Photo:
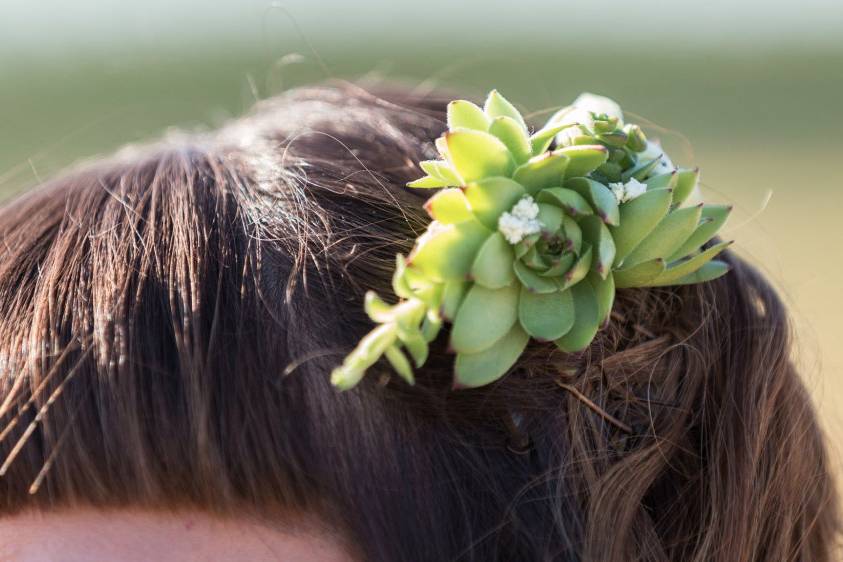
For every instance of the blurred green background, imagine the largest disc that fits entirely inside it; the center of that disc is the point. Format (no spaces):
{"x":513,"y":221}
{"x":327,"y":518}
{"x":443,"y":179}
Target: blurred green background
{"x":755,"y":87}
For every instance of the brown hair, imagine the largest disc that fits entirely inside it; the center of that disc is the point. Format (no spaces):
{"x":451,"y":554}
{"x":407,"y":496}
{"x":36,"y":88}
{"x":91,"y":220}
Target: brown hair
{"x":169,"y":317}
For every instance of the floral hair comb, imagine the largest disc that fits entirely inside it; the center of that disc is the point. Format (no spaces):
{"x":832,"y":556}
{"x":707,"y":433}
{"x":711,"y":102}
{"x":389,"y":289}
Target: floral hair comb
{"x":528,"y":242}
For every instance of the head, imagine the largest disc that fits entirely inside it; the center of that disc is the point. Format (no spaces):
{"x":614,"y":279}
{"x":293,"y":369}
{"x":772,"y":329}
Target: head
{"x":169,"y":318}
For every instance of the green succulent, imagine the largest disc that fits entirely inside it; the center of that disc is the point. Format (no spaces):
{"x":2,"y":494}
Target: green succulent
{"x":532,"y":242}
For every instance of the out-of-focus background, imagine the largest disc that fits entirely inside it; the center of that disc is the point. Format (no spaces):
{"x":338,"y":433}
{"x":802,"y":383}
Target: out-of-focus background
{"x":755,"y":86}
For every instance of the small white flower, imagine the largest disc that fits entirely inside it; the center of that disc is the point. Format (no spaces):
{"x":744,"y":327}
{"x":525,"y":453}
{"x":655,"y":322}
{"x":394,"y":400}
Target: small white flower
{"x":522,"y":220}
{"x":628,"y":191}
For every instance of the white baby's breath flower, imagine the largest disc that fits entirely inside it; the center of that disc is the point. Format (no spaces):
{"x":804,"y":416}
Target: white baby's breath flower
{"x":522,"y":220}
{"x":628,"y":191}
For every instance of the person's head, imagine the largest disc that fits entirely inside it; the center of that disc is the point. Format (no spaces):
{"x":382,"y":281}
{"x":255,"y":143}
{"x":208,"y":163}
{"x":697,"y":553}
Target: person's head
{"x":169,"y":319}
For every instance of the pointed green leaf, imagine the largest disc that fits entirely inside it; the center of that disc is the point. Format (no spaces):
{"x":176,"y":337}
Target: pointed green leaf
{"x":446,"y":252}
{"x":514,"y":136}
{"x":551,"y":217}
{"x":604,"y":291}
{"x":478,"y":369}
{"x":533,"y":281}
{"x":429,"y":182}
{"x":686,"y":182}
{"x":561,"y":267}
{"x":498,"y":106}
{"x":453,"y":293}
{"x":638,"y":218}
{"x":368,"y":351}
{"x":573,"y":233}
{"x":667,"y":237}
{"x":684,"y":268}
{"x":599,"y":196}
{"x":713,"y":218}
{"x":586,"y":319}
{"x":668,"y":180}
{"x":493,"y":266}
{"x":638,"y":275}
{"x":399,"y":279}
{"x":596,"y":233}
{"x":476,"y":155}
{"x":442,"y":170}
{"x":540,"y":140}
{"x":485,"y":316}
{"x":569,"y":200}
{"x":377,"y":309}
{"x":642,"y":170}
{"x":400,"y":363}
{"x":579,"y":270}
{"x":708,"y":272}
{"x":491,"y":197}
{"x":546,"y":316}
{"x":431,"y":326}
{"x":545,"y":170}
{"x":416,"y":345}
{"x":584,"y":159}
{"x":448,"y":206}
{"x":463,"y":114}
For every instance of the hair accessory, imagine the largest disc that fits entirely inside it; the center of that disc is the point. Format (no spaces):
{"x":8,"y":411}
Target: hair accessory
{"x":528,"y":242}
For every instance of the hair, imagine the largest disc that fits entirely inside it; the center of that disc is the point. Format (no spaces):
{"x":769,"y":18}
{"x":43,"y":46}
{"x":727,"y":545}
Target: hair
{"x":169,"y":318}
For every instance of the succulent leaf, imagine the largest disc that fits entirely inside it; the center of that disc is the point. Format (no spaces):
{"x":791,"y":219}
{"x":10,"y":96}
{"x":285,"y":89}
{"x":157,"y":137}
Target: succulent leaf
{"x":687,"y":267}
{"x":569,"y":200}
{"x":431,"y":326}
{"x":493,"y":266}
{"x":599,"y":197}
{"x":514,"y":136}
{"x":638,"y":218}
{"x":551,"y":217}
{"x":667,"y":237}
{"x":446,"y":252}
{"x":586,"y":319}
{"x":400,"y":363}
{"x":377,"y":309}
{"x":367,"y":352}
{"x":604,"y":291}
{"x":639,"y":275}
{"x":453,"y":293}
{"x":441,"y":170}
{"x":491,"y":197}
{"x":546,"y":316}
{"x":668,"y":180}
{"x":713,"y":218}
{"x":449,"y":206}
{"x":476,"y":155}
{"x":584,"y":159}
{"x":485,"y":316}
{"x":429,"y":182}
{"x":540,"y":172}
{"x":579,"y":270}
{"x":463,"y":114}
{"x":597,"y":234}
{"x":540,"y":140}
{"x":498,"y":106}
{"x":708,"y":272}
{"x":685,"y":185}
{"x":479,"y":369}
{"x":533,"y":281}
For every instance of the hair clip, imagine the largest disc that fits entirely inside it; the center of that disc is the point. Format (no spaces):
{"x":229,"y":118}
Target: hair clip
{"x":529,"y":242}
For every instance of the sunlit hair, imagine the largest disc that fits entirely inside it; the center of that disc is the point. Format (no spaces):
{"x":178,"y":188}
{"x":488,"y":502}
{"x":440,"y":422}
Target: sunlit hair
{"x":168,"y":320}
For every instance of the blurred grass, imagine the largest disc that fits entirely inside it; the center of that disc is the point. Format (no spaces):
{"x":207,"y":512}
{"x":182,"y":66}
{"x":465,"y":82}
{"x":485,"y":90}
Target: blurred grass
{"x":762,"y":127}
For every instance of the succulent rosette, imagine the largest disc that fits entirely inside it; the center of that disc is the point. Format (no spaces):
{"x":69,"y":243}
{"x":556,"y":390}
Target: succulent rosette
{"x":532,"y":233}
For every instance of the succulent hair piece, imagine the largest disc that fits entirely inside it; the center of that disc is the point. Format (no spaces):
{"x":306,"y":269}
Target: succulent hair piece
{"x":528,"y":242}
